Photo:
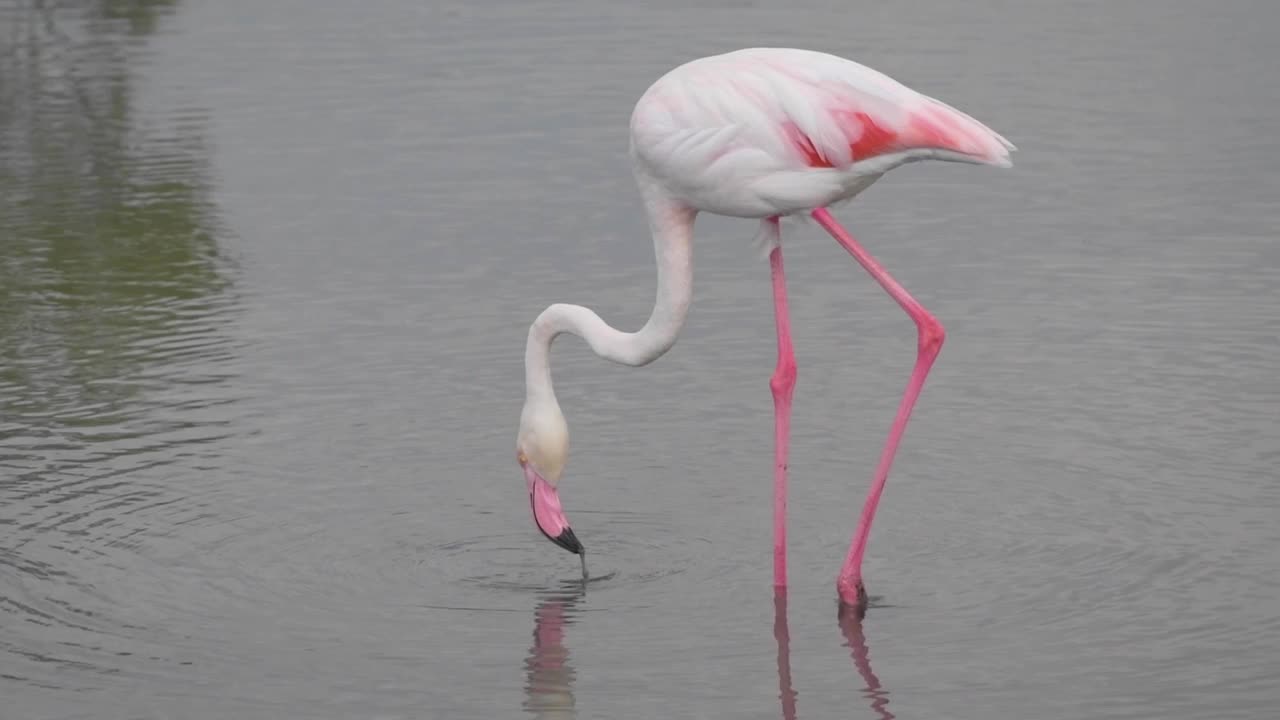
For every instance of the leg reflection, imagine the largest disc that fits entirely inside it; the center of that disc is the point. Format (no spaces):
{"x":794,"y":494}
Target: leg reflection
{"x":549,"y":687}
{"x":855,"y":640}
{"x":786,"y":693}
{"x":851,"y":628}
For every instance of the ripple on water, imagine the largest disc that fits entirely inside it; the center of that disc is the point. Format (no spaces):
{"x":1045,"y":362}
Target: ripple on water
{"x":629,"y":554}
{"x":309,"y":569}
{"x":494,"y":571}
{"x":115,"y":297}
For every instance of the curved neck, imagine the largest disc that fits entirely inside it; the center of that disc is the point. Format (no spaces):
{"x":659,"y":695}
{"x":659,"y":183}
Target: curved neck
{"x":672,"y":227}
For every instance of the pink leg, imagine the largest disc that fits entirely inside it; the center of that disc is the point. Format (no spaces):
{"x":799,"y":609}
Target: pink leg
{"x":782,"y":384}
{"x":931,"y":334}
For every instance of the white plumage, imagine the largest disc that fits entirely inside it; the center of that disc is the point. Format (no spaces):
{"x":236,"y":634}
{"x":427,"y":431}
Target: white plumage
{"x":775,"y":131}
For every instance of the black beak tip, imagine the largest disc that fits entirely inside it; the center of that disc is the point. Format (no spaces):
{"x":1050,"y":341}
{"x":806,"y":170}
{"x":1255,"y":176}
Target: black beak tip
{"x":568,"y":541}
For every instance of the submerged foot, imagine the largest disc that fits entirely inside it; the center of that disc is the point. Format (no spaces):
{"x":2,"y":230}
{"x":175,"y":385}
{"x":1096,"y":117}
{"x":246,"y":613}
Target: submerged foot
{"x":853,"y":599}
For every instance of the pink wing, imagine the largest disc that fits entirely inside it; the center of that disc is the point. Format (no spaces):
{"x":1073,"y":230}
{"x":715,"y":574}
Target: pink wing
{"x":839,"y":113}
{"x":765,"y":114}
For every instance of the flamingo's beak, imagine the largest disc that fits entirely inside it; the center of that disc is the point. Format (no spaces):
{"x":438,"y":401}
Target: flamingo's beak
{"x":547,"y":513}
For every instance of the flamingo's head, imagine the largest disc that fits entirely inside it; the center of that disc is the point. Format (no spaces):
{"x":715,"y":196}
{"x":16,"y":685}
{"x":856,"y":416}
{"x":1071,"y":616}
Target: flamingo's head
{"x":542,"y":448}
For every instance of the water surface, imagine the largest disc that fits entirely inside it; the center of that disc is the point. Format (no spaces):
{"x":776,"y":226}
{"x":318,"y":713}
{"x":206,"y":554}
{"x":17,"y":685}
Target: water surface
{"x":266,"y":271}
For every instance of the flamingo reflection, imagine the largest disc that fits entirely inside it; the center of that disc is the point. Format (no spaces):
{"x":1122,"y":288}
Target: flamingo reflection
{"x":855,"y":640}
{"x":549,"y":688}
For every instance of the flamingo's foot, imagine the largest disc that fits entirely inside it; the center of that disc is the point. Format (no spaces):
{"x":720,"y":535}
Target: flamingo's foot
{"x":853,"y":599}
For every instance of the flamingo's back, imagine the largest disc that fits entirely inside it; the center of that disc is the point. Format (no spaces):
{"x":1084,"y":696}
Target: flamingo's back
{"x":767,"y":131}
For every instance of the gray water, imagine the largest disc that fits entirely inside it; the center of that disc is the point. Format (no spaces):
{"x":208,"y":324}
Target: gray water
{"x":266,"y":270}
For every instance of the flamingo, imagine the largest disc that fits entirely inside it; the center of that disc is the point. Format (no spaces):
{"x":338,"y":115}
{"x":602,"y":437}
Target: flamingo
{"x":758,"y":133}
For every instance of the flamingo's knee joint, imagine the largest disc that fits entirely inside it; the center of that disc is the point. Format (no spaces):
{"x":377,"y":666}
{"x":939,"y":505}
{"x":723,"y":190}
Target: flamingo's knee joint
{"x":784,"y":378}
{"x":932,"y":335}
